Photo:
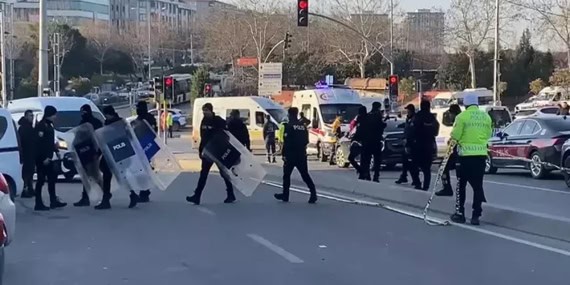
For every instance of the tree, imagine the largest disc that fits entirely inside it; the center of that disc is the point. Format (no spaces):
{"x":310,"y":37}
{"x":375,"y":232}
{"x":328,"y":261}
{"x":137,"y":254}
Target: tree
{"x":135,"y":44}
{"x":470,"y":26}
{"x":225,"y":37}
{"x":99,"y":40}
{"x":561,"y":78}
{"x":536,"y":85}
{"x":199,"y":79}
{"x":407,"y":87}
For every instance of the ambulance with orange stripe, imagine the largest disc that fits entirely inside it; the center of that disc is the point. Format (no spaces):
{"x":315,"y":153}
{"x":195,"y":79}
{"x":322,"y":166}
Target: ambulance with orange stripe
{"x":321,"y":106}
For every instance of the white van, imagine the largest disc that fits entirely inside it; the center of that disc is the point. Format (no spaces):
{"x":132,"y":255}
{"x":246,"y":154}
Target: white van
{"x":252,"y":111}
{"x":322,"y":106}
{"x":548,"y":96}
{"x":10,"y":153}
{"x":68,"y":117}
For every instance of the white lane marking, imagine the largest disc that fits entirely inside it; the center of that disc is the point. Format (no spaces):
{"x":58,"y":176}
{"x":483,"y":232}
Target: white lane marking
{"x":521,"y":186}
{"x":463,"y":226}
{"x":206,"y":211}
{"x":275,"y":248}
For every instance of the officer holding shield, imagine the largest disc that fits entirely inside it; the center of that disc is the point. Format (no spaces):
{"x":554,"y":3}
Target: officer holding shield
{"x":211,"y":126}
{"x":87,"y":118}
{"x":296,"y":138}
{"x":143,"y":114}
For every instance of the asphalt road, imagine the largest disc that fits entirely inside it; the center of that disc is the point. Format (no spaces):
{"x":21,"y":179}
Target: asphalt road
{"x":259,"y":241}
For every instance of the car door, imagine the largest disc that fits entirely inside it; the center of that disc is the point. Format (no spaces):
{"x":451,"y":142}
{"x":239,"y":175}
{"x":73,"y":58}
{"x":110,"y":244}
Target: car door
{"x":520,"y":145}
{"x":502,"y":147}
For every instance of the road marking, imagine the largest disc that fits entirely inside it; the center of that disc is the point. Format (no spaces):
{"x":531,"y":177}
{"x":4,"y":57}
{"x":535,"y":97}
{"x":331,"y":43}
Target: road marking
{"x":527,"y":187}
{"x":437,"y":220}
{"x":206,"y":211}
{"x":275,"y":248}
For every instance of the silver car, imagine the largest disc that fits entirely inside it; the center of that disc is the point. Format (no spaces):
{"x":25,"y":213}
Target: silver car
{"x":7,"y":221}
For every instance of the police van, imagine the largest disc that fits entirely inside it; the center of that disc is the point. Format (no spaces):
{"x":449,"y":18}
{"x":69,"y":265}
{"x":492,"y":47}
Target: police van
{"x":10,"y":153}
{"x":68,"y":117}
{"x":252,"y":110}
{"x":321,"y":106}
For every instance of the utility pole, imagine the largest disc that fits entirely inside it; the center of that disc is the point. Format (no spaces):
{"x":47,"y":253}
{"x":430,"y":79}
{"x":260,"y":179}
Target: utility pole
{"x":392,"y":35}
{"x":149,"y":38}
{"x":56,"y":48}
{"x":496,"y":59}
{"x":3,"y":51}
{"x":12,"y":47}
{"x":43,"y":50}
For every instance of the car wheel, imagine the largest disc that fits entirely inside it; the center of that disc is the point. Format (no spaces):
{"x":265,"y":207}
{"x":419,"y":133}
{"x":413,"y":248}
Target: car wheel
{"x":489,"y":168}
{"x":537,"y":169}
{"x":322,"y":155}
{"x":341,"y":160}
{"x":175,"y":126}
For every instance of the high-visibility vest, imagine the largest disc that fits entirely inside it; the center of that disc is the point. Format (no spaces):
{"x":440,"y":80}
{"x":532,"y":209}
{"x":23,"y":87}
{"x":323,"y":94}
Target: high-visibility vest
{"x":472,"y":130}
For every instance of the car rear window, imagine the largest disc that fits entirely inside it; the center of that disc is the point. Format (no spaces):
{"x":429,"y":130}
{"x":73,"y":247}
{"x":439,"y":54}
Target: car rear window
{"x":526,"y":112}
{"x":559,"y":124}
{"x":500,"y":118}
{"x":394,"y":126}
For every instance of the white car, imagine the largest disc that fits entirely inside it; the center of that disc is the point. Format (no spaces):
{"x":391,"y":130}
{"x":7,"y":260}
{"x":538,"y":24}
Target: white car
{"x":550,"y":110}
{"x":10,"y":153}
{"x":7,"y":220}
{"x":179,"y":118}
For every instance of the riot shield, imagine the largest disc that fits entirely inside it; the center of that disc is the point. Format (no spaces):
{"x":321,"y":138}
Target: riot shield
{"x":125,"y":157}
{"x":235,"y":162}
{"x":86,"y":158}
{"x":163,"y":162}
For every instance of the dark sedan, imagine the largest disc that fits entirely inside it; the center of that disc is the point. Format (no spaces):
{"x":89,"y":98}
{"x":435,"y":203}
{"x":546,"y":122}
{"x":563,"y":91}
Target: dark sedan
{"x":529,"y":142}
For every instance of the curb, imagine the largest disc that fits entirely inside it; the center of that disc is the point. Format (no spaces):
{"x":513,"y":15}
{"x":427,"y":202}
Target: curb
{"x":498,"y":215}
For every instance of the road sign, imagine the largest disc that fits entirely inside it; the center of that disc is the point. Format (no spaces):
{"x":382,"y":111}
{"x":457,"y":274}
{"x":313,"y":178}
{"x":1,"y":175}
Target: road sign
{"x":247,"y":61}
{"x":270,"y":78}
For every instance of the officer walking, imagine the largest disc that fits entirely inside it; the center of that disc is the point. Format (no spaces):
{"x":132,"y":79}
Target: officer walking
{"x":407,"y":164}
{"x":372,"y":142}
{"x":238,"y":129}
{"x":111,"y":117}
{"x":425,"y":129}
{"x":143,"y":114}
{"x":296,"y":138}
{"x":87,"y":118}
{"x":211,"y":126}
{"x":472,"y":130}
{"x":358,"y":134}
{"x":46,"y":149}
{"x":269,"y":130}
{"x":27,"y":152}
{"x":447,"y":190}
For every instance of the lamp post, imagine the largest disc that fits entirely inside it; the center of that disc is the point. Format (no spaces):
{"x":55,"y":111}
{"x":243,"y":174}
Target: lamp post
{"x":3,"y":51}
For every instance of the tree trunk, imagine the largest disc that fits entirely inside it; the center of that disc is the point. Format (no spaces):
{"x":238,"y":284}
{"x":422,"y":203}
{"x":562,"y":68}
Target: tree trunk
{"x":362,"y":67}
{"x":472,"y":70}
{"x":101,"y":66}
{"x":568,"y":55}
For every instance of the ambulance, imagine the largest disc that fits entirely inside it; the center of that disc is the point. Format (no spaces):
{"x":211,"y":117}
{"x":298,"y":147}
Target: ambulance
{"x":549,"y":96}
{"x":252,"y":110}
{"x":321,"y":106}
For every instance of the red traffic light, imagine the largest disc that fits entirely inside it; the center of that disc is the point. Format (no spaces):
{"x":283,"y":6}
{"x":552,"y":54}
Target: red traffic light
{"x":208,"y":87}
{"x":393,"y":79}
{"x":168,"y":81}
{"x":303,"y":4}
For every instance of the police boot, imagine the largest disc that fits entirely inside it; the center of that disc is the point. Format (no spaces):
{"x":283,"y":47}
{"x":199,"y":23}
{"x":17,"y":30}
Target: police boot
{"x":475,"y":221}
{"x":105,"y":203}
{"x":144,"y":196}
{"x":445,"y":192}
{"x":84,"y":202}
{"x":56,"y":203}
{"x":268,"y":159}
{"x":282,"y":197}
{"x":193,"y":199}
{"x":134,"y":199}
{"x":313,"y":199}
{"x":402,"y":180}
{"x":274,"y":161}
{"x":458,"y":218}
{"x":40,"y":203}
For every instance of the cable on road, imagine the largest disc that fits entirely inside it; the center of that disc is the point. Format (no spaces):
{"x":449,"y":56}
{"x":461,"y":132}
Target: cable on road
{"x":440,"y":171}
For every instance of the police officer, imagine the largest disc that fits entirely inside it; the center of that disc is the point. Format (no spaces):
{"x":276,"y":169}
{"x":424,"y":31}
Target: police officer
{"x":46,"y":149}
{"x":211,"y":125}
{"x":238,"y":129}
{"x":27,"y":152}
{"x":372,"y":142}
{"x":296,"y":138}
{"x":143,"y":114}
{"x":269,"y":130}
{"x":449,"y":119}
{"x":304,"y":119}
{"x":472,"y":130}
{"x":111,"y":117}
{"x":358,"y":134}
{"x":407,"y":164}
{"x":425,"y":129}
{"x":87,"y":118}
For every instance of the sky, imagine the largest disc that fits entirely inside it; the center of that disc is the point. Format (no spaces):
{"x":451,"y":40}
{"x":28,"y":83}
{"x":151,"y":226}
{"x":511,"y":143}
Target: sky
{"x":411,"y":5}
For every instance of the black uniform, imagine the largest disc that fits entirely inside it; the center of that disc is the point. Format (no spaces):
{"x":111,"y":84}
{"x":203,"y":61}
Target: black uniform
{"x":296,"y":138}
{"x":407,"y":163}
{"x":28,"y":146}
{"x":372,"y":144}
{"x":239,"y":130}
{"x":269,"y":130}
{"x":87,"y":118}
{"x":45,"y":166}
{"x":425,"y":128}
{"x":208,"y":129}
{"x":143,"y":114}
{"x":356,"y":143}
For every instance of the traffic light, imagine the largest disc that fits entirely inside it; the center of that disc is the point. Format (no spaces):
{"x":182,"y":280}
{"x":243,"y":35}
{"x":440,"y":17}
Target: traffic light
{"x":302,"y":13}
{"x":157,"y":85}
{"x":168,"y":87}
{"x":207,"y":90}
{"x":393,"y":87}
{"x":288,"y":39}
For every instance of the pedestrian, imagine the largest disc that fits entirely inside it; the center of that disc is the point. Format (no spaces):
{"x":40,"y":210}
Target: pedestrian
{"x":143,"y":114}
{"x":111,"y":117}
{"x":269,"y":130}
{"x":27,"y":152}
{"x":336,"y":135}
{"x":372,"y":142}
{"x":453,"y":112}
{"x":45,"y":150}
{"x":169,"y":122}
{"x":304,"y":119}
{"x":280,"y":133}
{"x":238,"y":129}
{"x":87,"y":118}
{"x":425,"y":129}
{"x":407,"y":164}
{"x":472,"y":130}
{"x":211,"y":126}
{"x":563,"y":109}
{"x":295,"y":156}
{"x":357,"y":135}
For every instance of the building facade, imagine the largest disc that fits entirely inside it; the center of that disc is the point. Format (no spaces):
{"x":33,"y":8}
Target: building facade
{"x":175,"y":15}
{"x":71,"y":12}
{"x":424,"y":32}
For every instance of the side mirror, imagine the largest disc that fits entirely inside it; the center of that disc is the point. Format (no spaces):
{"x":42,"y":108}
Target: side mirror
{"x":502,"y":135}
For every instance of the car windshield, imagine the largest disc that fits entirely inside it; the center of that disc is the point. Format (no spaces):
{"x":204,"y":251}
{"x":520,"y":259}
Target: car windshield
{"x":440,"y":103}
{"x":67,"y":120}
{"x":394,"y":126}
{"x":500,"y":118}
{"x":347,"y":111}
{"x":277,"y":114}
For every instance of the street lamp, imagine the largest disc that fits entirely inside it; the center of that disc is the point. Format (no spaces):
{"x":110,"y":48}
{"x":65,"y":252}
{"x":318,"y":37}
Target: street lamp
{"x":3,"y":51}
